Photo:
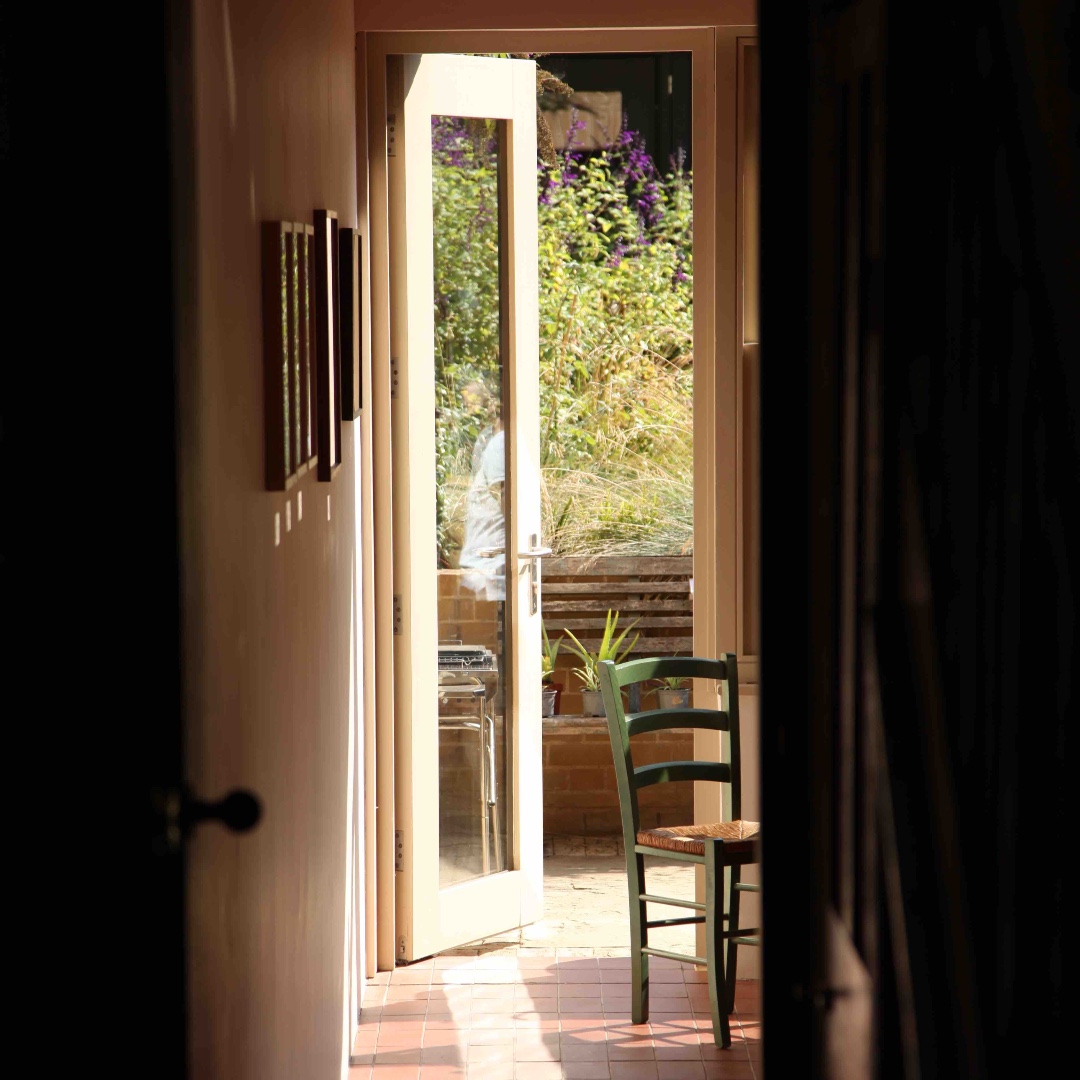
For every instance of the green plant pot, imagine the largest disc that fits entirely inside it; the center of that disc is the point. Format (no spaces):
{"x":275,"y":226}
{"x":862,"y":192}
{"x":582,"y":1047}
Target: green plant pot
{"x":592,"y":702}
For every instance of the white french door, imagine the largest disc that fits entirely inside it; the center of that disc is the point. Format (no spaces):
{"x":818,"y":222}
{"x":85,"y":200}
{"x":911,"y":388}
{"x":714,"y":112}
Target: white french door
{"x":461,"y":171}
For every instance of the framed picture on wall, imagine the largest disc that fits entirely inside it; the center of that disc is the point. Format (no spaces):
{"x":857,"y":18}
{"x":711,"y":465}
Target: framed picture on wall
{"x":327,"y":339}
{"x":349,"y":269}
{"x":280,"y":339}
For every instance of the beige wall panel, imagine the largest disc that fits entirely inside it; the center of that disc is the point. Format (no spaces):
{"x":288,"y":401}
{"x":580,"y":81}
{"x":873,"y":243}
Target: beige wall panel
{"x":749,"y":370}
{"x":565,"y":14}
{"x":749,"y":511}
{"x":749,"y":172}
{"x":378,"y":411}
{"x":364,"y":435}
{"x":269,"y":628}
{"x":750,"y":910}
{"x":719,"y":580}
{"x":749,"y":474}
{"x":716,"y":580}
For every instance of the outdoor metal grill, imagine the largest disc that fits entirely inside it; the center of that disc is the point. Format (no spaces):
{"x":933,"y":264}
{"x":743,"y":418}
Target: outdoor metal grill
{"x":468,"y":681}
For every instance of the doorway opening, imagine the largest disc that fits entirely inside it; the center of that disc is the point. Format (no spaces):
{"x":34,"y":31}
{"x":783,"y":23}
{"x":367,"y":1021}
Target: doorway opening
{"x":500,"y":840}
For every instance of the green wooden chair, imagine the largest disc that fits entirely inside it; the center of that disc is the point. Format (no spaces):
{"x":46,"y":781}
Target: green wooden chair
{"x":723,"y":846}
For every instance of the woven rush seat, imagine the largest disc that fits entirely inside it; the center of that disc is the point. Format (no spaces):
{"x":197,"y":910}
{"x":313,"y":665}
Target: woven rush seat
{"x":738,"y":837}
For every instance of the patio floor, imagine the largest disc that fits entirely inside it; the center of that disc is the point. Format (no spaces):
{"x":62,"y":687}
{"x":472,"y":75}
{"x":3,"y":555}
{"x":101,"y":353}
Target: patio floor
{"x":553,"y":1000}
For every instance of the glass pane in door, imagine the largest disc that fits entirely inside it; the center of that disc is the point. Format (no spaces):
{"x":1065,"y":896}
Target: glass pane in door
{"x":468,"y":180}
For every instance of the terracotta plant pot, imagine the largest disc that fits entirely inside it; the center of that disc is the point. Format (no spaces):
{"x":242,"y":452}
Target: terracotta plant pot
{"x":592,"y":703}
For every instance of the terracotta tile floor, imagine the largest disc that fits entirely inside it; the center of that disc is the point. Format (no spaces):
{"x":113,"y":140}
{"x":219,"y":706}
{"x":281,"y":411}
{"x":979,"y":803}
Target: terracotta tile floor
{"x":552,"y":1000}
{"x":509,"y":1016}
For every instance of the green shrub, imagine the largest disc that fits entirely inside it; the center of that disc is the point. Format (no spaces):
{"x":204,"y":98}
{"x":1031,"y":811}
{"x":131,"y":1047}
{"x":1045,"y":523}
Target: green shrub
{"x":616,"y":331}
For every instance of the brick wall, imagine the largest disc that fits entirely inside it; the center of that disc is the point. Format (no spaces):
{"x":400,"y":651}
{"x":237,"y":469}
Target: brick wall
{"x":464,"y":617}
{"x":580,"y":797}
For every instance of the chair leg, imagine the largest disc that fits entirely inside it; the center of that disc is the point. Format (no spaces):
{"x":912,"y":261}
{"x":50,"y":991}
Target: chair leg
{"x":639,"y":937}
{"x":714,"y":941}
{"x":733,"y":924}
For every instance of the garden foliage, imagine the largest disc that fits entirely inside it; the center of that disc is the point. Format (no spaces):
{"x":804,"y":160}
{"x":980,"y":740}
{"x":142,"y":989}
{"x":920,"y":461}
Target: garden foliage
{"x":616,"y":361}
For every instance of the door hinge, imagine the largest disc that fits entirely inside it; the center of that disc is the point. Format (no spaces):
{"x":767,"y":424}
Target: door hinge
{"x":401,"y":948}
{"x":394,"y":376}
{"x":397,"y":614}
{"x":391,"y":134}
{"x":399,"y":851}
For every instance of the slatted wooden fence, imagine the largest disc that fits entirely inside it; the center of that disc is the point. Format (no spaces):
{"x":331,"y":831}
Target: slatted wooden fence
{"x":580,"y":796}
{"x":578,"y":591}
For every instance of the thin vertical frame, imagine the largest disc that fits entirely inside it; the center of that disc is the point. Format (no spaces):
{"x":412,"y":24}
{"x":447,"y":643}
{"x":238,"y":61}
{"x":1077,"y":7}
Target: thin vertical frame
{"x":294,"y":243}
{"x":335,"y":358}
{"x":349,"y":273}
{"x":749,"y":373}
{"x":327,"y":344}
{"x":305,"y":237}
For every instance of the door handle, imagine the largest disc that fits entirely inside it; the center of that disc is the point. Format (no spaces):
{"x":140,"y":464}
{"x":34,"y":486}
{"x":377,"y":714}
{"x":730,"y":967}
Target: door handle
{"x":175,"y":813}
{"x":239,"y":811}
{"x":534,"y":555}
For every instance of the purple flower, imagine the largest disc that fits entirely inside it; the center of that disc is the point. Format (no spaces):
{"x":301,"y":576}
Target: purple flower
{"x":680,"y":274}
{"x":638,"y":163}
{"x":576,"y":125}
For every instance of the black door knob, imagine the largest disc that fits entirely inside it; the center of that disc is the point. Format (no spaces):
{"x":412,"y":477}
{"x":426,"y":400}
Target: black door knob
{"x":239,"y":811}
{"x":174,"y":814}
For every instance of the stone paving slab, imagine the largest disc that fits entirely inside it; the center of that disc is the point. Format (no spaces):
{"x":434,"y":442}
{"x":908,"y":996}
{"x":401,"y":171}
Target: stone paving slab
{"x":586,"y":904}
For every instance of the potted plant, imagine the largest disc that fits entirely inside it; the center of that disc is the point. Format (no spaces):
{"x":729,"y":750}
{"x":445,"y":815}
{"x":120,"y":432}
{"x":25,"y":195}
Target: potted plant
{"x":592,"y":701}
{"x":549,"y":691}
{"x":672,"y":693}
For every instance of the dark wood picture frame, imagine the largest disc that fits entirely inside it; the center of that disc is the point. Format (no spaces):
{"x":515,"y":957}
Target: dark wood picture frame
{"x":327,"y":343}
{"x":293,"y":301}
{"x":289,"y":316}
{"x":278,"y":251}
{"x":349,"y":270}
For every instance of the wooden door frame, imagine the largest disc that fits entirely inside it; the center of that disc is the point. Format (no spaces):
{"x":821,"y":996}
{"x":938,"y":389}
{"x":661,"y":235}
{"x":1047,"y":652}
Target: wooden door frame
{"x":717,"y":351}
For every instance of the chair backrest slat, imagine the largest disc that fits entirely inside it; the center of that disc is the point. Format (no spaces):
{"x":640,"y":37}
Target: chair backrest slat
{"x":665,"y":719}
{"x":670,"y":667}
{"x":661,"y":773}
{"x":621,"y":728}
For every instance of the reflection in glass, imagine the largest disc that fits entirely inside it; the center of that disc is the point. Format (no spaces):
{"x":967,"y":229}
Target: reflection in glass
{"x":470,"y":469}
